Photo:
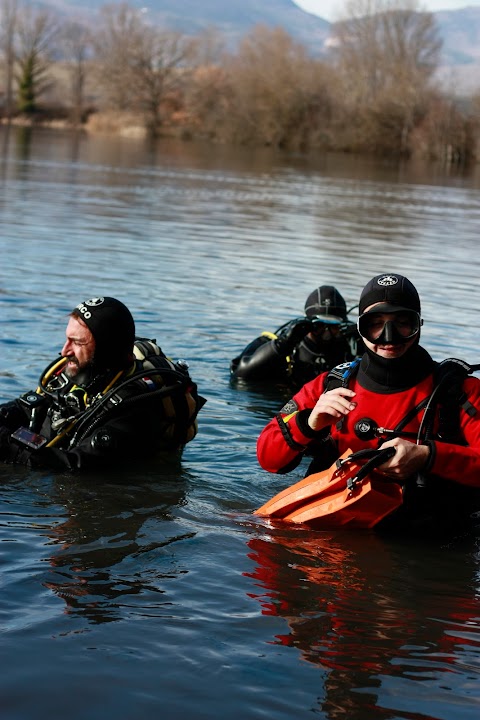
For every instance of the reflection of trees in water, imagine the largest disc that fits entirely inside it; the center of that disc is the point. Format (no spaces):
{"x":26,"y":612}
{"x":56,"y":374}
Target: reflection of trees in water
{"x":22,"y":136}
{"x":362,"y":608}
{"x":115,"y":549}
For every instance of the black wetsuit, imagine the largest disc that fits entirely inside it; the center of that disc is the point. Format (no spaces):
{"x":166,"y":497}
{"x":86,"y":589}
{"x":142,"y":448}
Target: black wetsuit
{"x":100,"y":419}
{"x":267,"y":359}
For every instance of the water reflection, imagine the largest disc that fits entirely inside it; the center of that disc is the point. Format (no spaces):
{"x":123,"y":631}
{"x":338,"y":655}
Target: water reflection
{"x":115,"y":549}
{"x":19,"y":142}
{"x":363,"y":610}
{"x":261,"y":401}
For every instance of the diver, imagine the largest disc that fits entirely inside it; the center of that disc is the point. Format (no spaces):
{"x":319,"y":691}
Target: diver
{"x":110,"y":398}
{"x":394,"y":396}
{"x":304,"y":347}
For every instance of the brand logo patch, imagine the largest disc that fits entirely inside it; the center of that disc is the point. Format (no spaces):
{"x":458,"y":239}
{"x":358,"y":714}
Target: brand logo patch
{"x":290,"y":407}
{"x":83,"y":307}
{"x":387,"y":280}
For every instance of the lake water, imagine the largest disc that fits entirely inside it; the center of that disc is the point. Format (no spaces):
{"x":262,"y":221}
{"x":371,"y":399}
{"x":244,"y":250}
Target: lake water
{"x":154,"y":593}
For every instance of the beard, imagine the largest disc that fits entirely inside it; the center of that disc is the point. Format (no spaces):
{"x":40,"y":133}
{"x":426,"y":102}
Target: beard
{"x":74,"y":369}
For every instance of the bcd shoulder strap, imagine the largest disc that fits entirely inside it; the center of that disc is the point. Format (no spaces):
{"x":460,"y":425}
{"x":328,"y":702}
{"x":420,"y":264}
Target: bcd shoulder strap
{"x":341,"y":375}
{"x":450,"y":375}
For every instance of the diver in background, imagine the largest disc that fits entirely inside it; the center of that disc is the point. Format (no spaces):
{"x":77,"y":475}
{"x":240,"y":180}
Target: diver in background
{"x":302,"y":348}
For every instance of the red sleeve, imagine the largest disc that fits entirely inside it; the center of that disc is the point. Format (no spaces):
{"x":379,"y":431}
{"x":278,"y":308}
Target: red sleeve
{"x":457,"y":462}
{"x":282,"y":442}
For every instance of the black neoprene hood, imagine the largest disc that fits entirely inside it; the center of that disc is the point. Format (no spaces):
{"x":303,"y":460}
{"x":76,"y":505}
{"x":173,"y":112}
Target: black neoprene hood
{"x":394,"y":291}
{"x":113,"y":328}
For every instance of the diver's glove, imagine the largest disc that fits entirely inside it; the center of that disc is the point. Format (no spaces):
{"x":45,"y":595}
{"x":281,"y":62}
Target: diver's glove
{"x":4,"y":442}
{"x":12,"y":415}
{"x":291,"y":334}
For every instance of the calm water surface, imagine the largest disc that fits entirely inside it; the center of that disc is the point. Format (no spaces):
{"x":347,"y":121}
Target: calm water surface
{"x":154,"y":592}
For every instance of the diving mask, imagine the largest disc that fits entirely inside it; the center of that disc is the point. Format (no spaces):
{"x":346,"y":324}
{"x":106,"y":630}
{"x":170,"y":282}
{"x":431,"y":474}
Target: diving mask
{"x":389,"y":328}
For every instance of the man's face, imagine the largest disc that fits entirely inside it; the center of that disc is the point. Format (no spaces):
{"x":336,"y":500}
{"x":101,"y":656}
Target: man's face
{"x":79,"y":347}
{"x":323,"y":332}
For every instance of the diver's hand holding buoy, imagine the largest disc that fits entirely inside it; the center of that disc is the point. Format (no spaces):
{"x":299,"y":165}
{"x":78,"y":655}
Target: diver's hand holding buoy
{"x":330,"y":407}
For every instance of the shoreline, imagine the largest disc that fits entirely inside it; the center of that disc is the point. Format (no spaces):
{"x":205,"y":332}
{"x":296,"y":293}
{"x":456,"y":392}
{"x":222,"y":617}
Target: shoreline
{"x":130,"y":125}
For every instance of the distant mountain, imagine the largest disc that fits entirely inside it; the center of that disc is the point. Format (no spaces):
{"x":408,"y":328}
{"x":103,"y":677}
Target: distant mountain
{"x":459,"y":29}
{"x":232,"y":17}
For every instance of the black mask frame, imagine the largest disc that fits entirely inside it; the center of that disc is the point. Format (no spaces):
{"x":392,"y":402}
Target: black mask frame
{"x":394,"y":331}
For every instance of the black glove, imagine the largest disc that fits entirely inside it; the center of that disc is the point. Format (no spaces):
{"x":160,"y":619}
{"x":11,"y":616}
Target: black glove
{"x":12,"y":416}
{"x":4,"y":442}
{"x":10,"y":451}
{"x":292,"y":333}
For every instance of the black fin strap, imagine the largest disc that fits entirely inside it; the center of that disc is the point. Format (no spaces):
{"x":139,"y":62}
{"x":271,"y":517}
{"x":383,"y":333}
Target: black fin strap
{"x":365,"y":454}
{"x":376,"y":458}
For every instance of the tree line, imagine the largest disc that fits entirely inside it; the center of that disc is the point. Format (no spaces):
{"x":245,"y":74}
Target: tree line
{"x":373,"y":93}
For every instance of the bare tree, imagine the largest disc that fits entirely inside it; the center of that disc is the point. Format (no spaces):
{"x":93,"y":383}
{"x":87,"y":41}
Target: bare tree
{"x":160,"y":65}
{"x":206,"y":89}
{"x":209,"y":47}
{"x":206,"y":101}
{"x":278,"y":94}
{"x":77,"y":48}
{"x":119,"y":33}
{"x":37,"y":31}
{"x":140,"y":66}
{"x":9,"y":14}
{"x":449,"y":131}
{"x":387,"y":51}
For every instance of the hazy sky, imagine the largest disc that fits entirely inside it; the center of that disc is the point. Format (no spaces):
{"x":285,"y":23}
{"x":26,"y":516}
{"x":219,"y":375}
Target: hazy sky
{"x":329,"y":9}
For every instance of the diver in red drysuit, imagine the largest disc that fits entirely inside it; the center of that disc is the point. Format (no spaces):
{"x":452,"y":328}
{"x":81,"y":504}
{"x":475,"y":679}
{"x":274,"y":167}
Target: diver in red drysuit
{"x":386,"y":402}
